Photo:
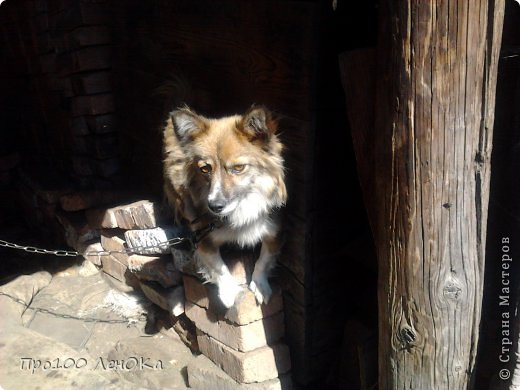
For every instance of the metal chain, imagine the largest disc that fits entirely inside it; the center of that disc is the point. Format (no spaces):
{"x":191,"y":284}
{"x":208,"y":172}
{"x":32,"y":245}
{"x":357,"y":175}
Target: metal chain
{"x":134,"y":250}
{"x":62,"y":315}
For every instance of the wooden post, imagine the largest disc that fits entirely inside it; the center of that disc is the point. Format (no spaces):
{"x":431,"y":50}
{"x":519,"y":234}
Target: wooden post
{"x":428,"y":190}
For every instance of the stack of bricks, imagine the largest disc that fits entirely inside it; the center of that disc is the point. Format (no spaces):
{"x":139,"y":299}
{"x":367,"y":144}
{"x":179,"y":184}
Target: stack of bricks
{"x":75,"y":46}
{"x":241,"y":347}
{"x":79,"y":219}
{"x":130,"y":226}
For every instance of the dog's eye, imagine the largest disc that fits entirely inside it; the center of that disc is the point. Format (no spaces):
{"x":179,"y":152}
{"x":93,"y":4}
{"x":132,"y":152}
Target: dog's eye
{"x":238,"y":168}
{"x":205,"y":169}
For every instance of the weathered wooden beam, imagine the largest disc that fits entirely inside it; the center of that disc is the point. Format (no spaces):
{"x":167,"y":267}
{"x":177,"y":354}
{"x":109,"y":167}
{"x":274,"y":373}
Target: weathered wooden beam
{"x":428,"y":185}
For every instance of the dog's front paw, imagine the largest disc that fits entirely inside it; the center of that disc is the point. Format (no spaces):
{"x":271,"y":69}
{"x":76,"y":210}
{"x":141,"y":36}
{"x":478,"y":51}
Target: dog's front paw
{"x":228,"y":290}
{"x":262,"y":290}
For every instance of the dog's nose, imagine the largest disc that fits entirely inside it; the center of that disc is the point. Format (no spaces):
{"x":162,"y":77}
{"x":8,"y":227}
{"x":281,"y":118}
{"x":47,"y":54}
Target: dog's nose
{"x":216,"y":207}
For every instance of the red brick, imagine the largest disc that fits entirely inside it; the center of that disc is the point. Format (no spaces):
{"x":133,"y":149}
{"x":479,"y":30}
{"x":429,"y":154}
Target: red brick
{"x":114,"y":241}
{"x":92,"y":83}
{"x":137,"y":215}
{"x":243,"y":338}
{"x":92,"y":104}
{"x":204,"y":374}
{"x":101,"y":124}
{"x":259,"y":365}
{"x":88,"y":36}
{"x":61,"y":48}
{"x":81,"y":145}
{"x":118,"y":270}
{"x":105,"y":146}
{"x":101,"y":218}
{"x":48,"y":63}
{"x":91,"y":58}
{"x":81,"y":13}
{"x":107,"y":167}
{"x":45,"y":43}
{"x":155,"y":268}
{"x":67,"y":87}
{"x":195,"y":291}
{"x":245,"y":309}
{"x":169,"y":299}
{"x":79,"y":126}
{"x":59,"y":5}
{"x":98,"y":146}
{"x":82,"y":165}
{"x":40,"y":6}
{"x":42,"y":23}
{"x":54,"y":83}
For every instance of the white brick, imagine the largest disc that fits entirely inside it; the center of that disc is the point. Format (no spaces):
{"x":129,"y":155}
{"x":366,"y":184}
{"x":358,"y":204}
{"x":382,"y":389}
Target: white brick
{"x":149,"y":238}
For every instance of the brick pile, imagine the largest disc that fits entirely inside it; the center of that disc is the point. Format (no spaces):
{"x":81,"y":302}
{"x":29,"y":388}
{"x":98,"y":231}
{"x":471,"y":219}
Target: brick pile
{"x":242,"y":348}
{"x":153,"y":273}
{"x":79,"y":219}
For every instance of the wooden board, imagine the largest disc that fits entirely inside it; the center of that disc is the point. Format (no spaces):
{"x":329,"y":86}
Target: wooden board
{"x":431,"y":164}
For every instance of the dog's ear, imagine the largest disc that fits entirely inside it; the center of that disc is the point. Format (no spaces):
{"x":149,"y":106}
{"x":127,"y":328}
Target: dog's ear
{"x":187,"y":123}
{"x":258,"y":124}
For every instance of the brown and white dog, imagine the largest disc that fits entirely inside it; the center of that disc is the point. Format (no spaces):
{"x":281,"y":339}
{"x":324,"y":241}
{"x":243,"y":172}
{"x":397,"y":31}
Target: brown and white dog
{"x":228,"y":170}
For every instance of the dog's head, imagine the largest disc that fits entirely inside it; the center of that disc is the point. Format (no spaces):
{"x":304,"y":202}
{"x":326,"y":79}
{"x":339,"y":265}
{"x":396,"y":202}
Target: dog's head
{"x":235,"y":162}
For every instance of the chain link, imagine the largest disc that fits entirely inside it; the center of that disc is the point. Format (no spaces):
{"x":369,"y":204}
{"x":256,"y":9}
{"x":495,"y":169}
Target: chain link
{"x":64,"y":253}
{"x":63,"y":315}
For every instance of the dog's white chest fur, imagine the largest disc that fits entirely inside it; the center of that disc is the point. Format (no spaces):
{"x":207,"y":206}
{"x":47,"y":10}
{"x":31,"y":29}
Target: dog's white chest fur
{"x":246,"y":235}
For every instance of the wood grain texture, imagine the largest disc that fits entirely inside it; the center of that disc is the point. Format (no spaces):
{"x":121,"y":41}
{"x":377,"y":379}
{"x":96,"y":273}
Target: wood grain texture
{"x":435,"y":115}
{"x":434,"y":109}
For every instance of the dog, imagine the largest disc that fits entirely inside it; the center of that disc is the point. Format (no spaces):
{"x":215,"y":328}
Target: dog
{"x":229,"y":172}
